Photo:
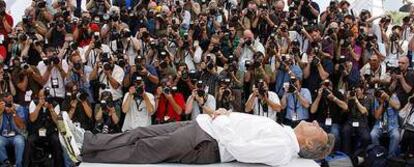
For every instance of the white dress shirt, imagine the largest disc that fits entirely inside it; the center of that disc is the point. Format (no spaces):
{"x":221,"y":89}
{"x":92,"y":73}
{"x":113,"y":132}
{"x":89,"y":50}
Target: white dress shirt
{"x":251,"y":139}
{"x":118,"y":75}
{"x":54,"y":76}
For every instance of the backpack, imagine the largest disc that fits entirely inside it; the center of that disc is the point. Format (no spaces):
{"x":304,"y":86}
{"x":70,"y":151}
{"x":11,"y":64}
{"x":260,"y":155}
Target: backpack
{"x":376,"y":156}
{"x":338,"y":159}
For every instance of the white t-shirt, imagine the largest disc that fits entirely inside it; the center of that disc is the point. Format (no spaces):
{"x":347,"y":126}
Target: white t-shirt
{"x":118,"y":75}
{"x":247,"y":54}
{"x":210,"y":103}
{"x":137,"y":116}
{"x":32,"y":107}
{"x":55,"y":77}
{"x":93,"y":56}
{"x":258,"y":109}
{"x":192,"y":61}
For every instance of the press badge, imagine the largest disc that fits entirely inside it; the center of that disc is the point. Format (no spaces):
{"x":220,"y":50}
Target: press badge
{"x":11,"y":134}
{"x":28,"y":96}
{"x":42,"y":132}
{"x":328,"y":121}
{"x":294,"y":117}
{"x":55,"y":83}
{"x":355,"y":124}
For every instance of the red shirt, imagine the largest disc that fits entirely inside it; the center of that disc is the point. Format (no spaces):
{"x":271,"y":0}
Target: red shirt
{"x":9,"y":20}
{"x":163,"y":104}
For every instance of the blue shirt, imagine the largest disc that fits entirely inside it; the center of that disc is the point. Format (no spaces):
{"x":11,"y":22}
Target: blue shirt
{"x":8,"y":120}
{"x":294,"y":108}
{"x":391,"y":115}
{"x":283,"y":77}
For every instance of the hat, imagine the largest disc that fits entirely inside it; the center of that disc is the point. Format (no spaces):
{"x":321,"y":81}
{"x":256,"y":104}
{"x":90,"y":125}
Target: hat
{"x":94,"y":27}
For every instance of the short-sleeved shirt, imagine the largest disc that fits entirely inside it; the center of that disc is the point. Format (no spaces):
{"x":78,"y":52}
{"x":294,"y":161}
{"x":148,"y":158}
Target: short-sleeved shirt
{"x":210,"y":103}
{"x":166,"y":110}
{"x":391,"y":115}
{"x":118,"y":75}
{"x":54,"y":75}
{"x":282,"y":77}
{"x":260,"y":108}
{"x":401,"y":94}
{"x":294,"y":109}
{"x":137,"y":116}
{"x":329,"y":109}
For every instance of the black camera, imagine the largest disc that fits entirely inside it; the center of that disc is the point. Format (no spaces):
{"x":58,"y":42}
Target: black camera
{"x":352,"y":92}
{"x":261,"y":87}
{"x":248,"y":64}
{"x":201,"y":92}
{"x":107,"y":66}
{"x":41,"y":4}
{"x":139,"y":90}
{"x":8,"y":105}
{"x":106,"y":104}
{"x":97,"y":44}
{"x":82,"y":95}
{"x":55,"y":60}
{"x":248,"y":42}
{"x":394,"y":37}
{"x":378,"y":93}
{"x":315,"y":61}
{"x":292,"y":88}
{"x":166,"y":90}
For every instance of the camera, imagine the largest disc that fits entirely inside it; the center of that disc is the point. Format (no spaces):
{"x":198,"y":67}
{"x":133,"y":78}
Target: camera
{"x":107,"y":66}
{"x":166,"y":90}
{"x":292,"y":88}
{"x":248,"y":64}
{"x":261,"y":87}
{"x":394,"y":37}
{"x":184,"y":74}
{"x":82,"y":95}
{"x":106,"y":104}
{"x":139,"y":90}
{"x":41,"y":4}
{"x":352,"y":93}
{"x":378,"y":93}
{"x":8,"y":105}
{"x":315,"y":61}
{"x":248,"y":42}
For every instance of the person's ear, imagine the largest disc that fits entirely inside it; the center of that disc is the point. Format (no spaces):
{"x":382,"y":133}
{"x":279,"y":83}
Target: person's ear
{"x":308,"y":143}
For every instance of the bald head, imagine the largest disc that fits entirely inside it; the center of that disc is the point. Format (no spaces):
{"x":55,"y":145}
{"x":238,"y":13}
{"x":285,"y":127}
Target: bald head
{"x":248,"y":34}
{"x":279,"y":6}
{"x":403,"y":63}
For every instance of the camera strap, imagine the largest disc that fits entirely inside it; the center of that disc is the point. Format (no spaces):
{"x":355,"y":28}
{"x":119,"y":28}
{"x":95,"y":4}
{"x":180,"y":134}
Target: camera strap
{"x":295,"y":116}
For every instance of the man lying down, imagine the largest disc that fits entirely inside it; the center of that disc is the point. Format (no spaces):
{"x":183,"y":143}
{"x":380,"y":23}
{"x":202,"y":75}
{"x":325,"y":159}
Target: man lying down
{"x":222,"y":136}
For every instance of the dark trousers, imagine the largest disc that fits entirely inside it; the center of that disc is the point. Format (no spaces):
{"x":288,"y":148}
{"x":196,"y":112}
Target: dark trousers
{"x":177,"y":142}
{"x":52,"y":144}
{"x":407,"y":142}
{"x":361,"y":134}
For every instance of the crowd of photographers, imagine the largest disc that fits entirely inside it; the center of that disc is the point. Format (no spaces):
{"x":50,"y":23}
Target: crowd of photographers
{"x":124,"y":64}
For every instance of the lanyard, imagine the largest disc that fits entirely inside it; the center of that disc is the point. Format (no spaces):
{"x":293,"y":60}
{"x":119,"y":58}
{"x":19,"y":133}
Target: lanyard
{"x":295,"y":101}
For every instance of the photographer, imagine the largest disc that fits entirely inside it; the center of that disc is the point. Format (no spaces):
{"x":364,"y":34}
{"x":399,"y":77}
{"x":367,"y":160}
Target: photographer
{"x":263,"y":102}
{"x":309,"y":9}
{"x":230,"y":40}
{"x":374,"y":73}
{"x":200,"y":102}
{"x":138,"y":105}
{"x":53,"y":72}
{"x":124,"y":42}
{"x":263,"y":23}
{"x":27,"y":79}
{"x":295,"y":101}
{"x":169,"y":102}
{"x":6,"y":84}
{"x":209,"y":73}
{"x":143,"y":69}
{"x":402,"y":80}
{"x":98,"y":6}
{"x":396,"y":47}
{"x":372,"y":47}
{"x":32,"y":21}
{"x":107,"y":114}
{"x":356,"y":120}
{"x":79,"y":75}
{"x":227,"y":96}
{"x":108,"y":75}
{"x":95,"y":49}
{"x":78,"y":106}
{"x":57,"y":31}
{"x":346,"y":75}
{"x":13,"y":128}
{"x":328,"y":107}
{"x":43,"y":118}
{"x":257,"y":70}
{"x":191,"y":53}
{"x":386,"y":123}
{"x":407,"y":133}
{"x":317,"y":70}
{"x":247,"y":47}
{"x":285,"y":68}
{"x":6,"y":20}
